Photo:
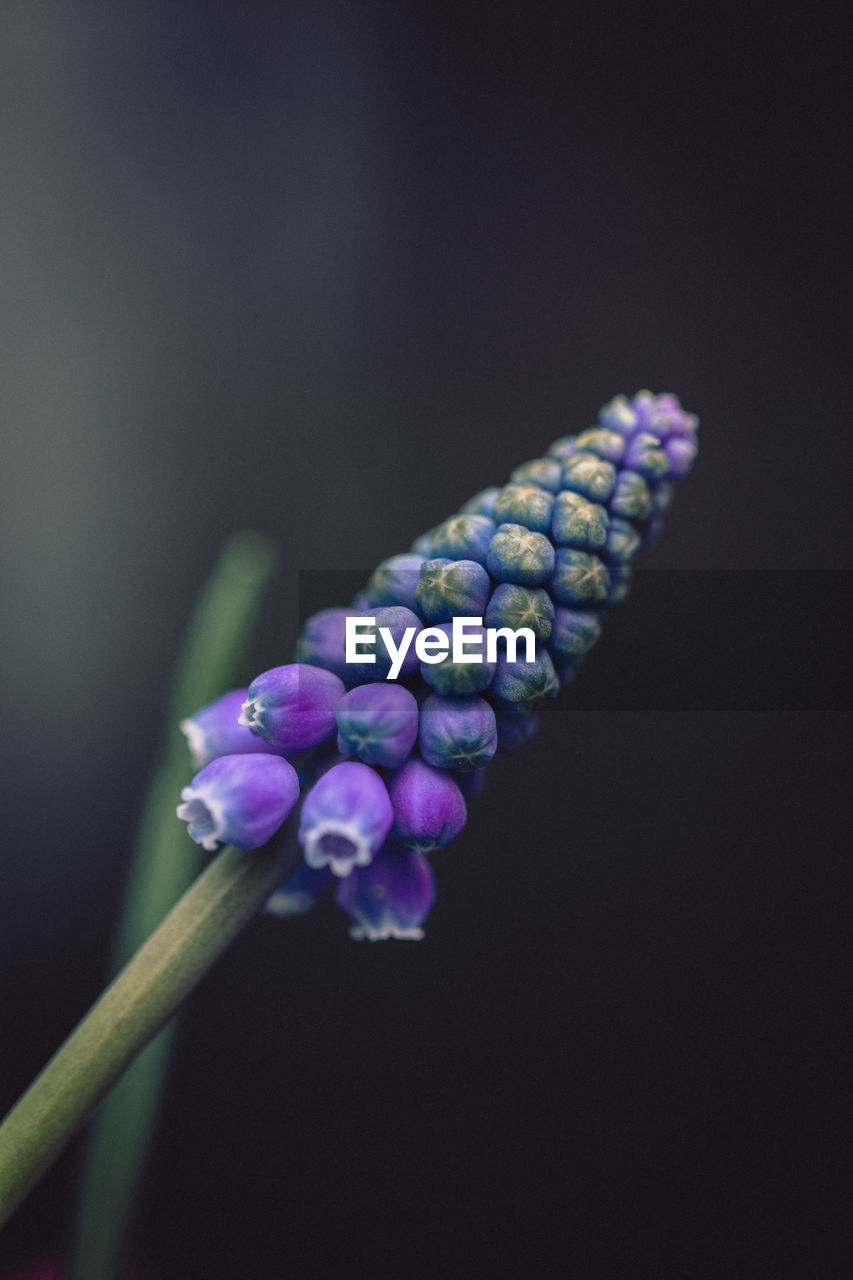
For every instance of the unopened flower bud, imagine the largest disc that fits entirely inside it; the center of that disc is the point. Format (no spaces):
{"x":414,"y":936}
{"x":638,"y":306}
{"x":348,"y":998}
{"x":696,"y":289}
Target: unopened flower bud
{"x":391,"y":898}
{"x":378,"y":723}
{"x":240,"y":800}
{"x":345,"y":818}
{"x":457,"y":733}
{"x":451,"y":588}
{"x":464,"y":537}
{"x":216,"y":730}
{"x":513,"y":606}
{"x":520,"y":555}
{"x":547,"y":473}
{"x":292,"y":707}
{"x":520,"y":687}
{"x":429,"y":809}
{"x":525,"y":504}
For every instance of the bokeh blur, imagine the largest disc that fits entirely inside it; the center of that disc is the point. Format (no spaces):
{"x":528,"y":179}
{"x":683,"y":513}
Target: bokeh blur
{"x":325,"y":270}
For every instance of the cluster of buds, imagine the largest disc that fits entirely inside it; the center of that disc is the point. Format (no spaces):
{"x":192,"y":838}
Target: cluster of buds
{"x":386,"y":766}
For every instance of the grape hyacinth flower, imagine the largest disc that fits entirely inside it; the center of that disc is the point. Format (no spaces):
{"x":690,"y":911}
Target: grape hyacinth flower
{"x":429,"y":808}
{"x":402,"y":625}
{"x":394,"y":582}
{"x":457,"y":733}
{"x":345,"y":818}
{"x":520,"y":555}
{"x":391,"y":898}
{"x":293,"y":707}
{"x":216,"y":730}
{"x":378,"y":723}
{"x":550,"y":549}
{"x":452,"y":588}
{"x":322,"y":642}
{"x":240,"y":800}
{"x":458,"y":679}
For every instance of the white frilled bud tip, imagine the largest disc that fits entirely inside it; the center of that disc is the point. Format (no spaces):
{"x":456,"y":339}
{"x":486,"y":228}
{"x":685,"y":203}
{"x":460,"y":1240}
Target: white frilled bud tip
{"x":248,"y":714}
{"x":205,"y":817}
{"x":337,"y":844}
{"x":196,"y":741}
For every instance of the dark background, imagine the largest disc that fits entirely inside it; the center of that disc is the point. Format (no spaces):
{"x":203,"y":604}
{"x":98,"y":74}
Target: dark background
{"x":326,"y":270}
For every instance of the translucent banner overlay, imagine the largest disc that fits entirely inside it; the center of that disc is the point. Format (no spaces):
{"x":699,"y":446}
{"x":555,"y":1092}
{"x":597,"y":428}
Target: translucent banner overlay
{"x":685,"y":640}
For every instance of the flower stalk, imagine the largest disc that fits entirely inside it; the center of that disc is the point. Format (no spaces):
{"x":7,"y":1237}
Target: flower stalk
{"x":141,"y":1000}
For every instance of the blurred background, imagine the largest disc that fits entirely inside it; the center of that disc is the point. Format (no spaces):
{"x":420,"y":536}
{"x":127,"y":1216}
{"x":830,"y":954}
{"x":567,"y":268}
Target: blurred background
{"x":326,"y":270}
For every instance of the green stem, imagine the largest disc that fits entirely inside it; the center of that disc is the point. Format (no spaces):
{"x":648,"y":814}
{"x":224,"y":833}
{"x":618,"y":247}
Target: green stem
{"x":165,"y":863}
{"x":131,"y":1011}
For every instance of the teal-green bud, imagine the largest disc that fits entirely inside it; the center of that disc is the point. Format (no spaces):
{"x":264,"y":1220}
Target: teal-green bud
{"x":547,"y":473}
{"x":645,"y":454}
{"x":457,"y":733}
{"x":525,"y":504}
{"x":520,"y":687}
{"x":463,"y":538}
{"x":577,"y":522}
{"x":590,"y":476}
{"x":565,"y":447}
{"x":579,"y":578}
{"x":608,"y":445}
{"x":574,"y":632}
{"x":451,"y":588}
{"x":632,"y":499}
{"x":514,"y":606}
{"x":394,"y":581}
{"x":620,"y":583}
{"x":520,"y":555}
{"x":623,"y":541}
{"x":482,"y":504}
{"x":459,"y":679}
{"x":422,"y":546}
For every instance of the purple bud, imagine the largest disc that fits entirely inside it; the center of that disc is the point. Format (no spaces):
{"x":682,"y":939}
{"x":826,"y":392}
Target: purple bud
{"x":300,"y":892}
{"x":240,"y":800}
{"x":680,"y":453}
{"x":294,"y":706}
{"x":391,"y":898}
{"x":668,"y":419}
{"x":345,"y":818}
{"x":457,"y":733}
{"x":646,"y":456}
{"x":322,"y":641}
{"x":394,"y":581}
{"x":378,"y":723}
{"x":403,"y":626}
{"x":429,"y":810}
{"x":216,"y":730}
